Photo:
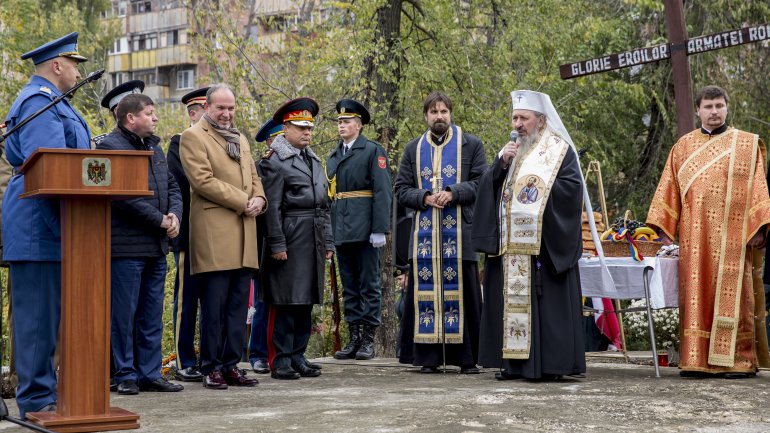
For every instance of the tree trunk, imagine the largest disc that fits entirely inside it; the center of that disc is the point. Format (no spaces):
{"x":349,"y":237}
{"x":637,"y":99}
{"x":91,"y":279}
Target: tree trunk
{"x":384,"y":95}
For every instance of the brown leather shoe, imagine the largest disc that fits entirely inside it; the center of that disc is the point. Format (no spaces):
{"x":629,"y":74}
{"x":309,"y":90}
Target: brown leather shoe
{"x":214,"y":380}
{"x":235,"y":377}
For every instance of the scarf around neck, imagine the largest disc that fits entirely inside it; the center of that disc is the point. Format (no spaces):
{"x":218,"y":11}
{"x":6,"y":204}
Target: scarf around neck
{"x":232,"y":138}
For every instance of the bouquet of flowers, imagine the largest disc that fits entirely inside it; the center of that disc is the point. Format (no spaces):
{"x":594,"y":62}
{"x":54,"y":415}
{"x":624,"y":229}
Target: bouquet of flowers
{"x":665,"y":322}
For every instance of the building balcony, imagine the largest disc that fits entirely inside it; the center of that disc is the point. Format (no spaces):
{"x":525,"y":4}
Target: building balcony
{"x":158,"y":21}
{"x":157,"y":93}
{"x":149,"y":59}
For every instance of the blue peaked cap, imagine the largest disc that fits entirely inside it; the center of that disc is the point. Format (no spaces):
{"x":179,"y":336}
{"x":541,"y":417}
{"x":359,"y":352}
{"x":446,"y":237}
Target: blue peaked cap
{"x":268,"y":129}
{"x":65,"y":46}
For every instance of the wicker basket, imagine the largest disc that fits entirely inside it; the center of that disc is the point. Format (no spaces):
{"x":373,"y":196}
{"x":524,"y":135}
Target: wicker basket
{"x":621,"y":249}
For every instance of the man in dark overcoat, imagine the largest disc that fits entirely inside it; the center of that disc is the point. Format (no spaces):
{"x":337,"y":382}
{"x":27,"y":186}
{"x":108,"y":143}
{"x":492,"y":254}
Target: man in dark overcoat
{"x":299,"y":238}
{"x":361,"y":208}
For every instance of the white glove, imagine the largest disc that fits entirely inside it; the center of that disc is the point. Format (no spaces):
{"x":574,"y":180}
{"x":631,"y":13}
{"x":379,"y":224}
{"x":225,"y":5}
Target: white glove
{"x":377,"y":239}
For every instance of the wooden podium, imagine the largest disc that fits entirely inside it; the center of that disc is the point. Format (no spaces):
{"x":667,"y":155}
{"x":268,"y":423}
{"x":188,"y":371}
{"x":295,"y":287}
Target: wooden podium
{"x":85,"y":181}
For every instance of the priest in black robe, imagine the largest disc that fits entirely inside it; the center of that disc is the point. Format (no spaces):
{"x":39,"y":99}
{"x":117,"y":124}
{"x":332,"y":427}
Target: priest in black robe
{"x":455,"y":200}
{"x":556,"y":335}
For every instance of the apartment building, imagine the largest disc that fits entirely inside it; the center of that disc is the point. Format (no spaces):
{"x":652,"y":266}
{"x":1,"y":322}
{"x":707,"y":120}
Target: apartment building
{"x":155,"y":44}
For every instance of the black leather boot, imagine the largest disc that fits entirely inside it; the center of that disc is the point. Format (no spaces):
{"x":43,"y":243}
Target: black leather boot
{"x":367,"y":343}
{"x":349,"y":351}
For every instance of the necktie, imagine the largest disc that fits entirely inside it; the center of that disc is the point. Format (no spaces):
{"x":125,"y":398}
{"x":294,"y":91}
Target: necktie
{"x":344,"y":150}
{"x":306,"y":158}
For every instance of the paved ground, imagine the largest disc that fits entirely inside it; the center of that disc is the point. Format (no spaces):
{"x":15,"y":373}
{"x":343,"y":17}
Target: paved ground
{"x":383,"y":396}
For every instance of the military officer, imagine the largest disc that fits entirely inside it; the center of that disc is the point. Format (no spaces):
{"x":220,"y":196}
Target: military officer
{"x":298,"y":240}
{"x":259,"y":320}
{"x":31,"y":228}
{"x":186,"y":292}
{"x":361,"y":208}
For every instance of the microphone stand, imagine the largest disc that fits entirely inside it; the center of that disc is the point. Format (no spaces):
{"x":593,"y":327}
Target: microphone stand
{"x":93,"y":76}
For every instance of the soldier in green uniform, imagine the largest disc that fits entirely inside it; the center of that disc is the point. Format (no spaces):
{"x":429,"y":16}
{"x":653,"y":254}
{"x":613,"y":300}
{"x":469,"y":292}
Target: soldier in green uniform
{"x":361,"y":192}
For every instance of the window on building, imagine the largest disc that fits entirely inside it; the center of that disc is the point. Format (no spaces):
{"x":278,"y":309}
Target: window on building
{"x":141,"y":6}
{"x":119,"y":46}
{"x":119,"y":8}
{"x":185,"y":79}
{"x":119,"y":78}
{"x":254,"y":32}
{"x":172,"y":37}
{"x":144,"y":42}
{"x":147,"y":76}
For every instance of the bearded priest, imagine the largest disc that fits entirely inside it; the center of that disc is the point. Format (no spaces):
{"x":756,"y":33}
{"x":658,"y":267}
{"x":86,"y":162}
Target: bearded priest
{"x":528,"y":222}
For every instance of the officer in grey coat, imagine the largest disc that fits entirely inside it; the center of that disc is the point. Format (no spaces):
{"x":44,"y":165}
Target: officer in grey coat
{"x":362,"y":196}
{"x":298,"y":240}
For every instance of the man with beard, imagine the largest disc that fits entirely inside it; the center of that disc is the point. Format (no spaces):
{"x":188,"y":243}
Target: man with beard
{"x":531,"y":324}
{"x":299,"y":239}
{"x":226,"y":197}
{"x":358,"y":169}
{"x":186,"y":290}
{"x":438,"y":178}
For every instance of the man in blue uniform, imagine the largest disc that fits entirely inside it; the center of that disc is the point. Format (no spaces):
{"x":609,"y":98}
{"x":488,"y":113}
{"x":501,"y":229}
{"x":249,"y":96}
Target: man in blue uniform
{"x":361,"y":190}
{"x":31,"y":229}
{"x":258,"y":337}
{"x":186,"y":291}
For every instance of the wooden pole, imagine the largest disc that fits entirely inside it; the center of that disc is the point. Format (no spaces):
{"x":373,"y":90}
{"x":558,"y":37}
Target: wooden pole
{"x":677,"y":36}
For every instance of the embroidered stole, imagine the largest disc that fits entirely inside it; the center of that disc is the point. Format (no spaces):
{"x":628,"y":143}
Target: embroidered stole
{"x":524,"y":196}
{"x":732,"y":254}
{"x":437,"y":245}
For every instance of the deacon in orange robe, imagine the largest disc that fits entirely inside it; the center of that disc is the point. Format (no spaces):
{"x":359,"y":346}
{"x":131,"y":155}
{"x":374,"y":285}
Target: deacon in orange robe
{"x":713,"y":188}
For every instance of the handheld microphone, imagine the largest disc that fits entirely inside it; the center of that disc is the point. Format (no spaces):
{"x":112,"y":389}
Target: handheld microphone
{"x":514,"y":136}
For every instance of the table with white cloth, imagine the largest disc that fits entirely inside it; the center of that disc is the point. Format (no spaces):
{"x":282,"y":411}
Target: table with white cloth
{"x":655,"y":279}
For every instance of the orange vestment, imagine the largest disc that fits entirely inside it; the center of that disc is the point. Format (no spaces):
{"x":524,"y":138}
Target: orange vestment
{"x":714,"y":189}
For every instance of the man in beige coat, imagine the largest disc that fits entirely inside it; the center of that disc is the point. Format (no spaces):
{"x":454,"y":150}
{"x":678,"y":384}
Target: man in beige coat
{"x":226,"y":197}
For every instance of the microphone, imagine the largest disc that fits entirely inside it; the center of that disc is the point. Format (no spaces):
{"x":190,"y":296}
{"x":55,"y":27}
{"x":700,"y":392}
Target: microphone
{"x":514,"y":136}
{"x":93,"y":76}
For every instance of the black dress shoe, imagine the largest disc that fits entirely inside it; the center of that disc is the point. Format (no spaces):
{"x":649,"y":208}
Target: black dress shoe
{"x":160,"y":385}
{"x":735,"y":375}
{"x":236,"y":377}
{"x":427,"y":369}
{"x":504,"y":375}
{"x":469,"y":369}
{"x":313,"y":365}
{"x":214,"y":380}
{"x":699,"y":374}
{"x":113,"y":385}
{"x":284,"y":373}
{"x":260,"y":366}
{"x":128,"y":387}
{"x":189,"y":374}
{"x":305,"y":371}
